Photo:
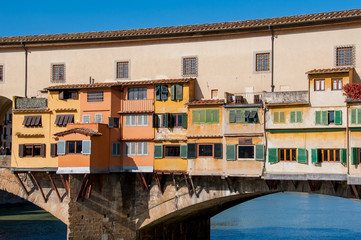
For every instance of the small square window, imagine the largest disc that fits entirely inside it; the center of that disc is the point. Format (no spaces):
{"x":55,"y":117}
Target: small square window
{"x":122,"y":69}
{"x":319,"y":85}
{"x":214,"y":93}
{"x":190,"y":66}
{"x":1,"y":73}
{"x":337,"y":84}
{"x":172,"y":151}
{"x":95,"y":96}
{"x":246,"y":152}
{"x":344,"y":56}
{"x":262,"y":62}
{"x":205,"y":150}
{"x":58,"y":73}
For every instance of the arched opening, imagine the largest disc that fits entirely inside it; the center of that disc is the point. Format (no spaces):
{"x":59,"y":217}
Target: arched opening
{"x":21,"y":219}
{"x":289,"y":215}
{"x":5,"y":127}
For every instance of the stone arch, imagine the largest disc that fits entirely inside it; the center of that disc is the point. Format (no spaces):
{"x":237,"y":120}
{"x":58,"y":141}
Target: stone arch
{"x":5,"y":105}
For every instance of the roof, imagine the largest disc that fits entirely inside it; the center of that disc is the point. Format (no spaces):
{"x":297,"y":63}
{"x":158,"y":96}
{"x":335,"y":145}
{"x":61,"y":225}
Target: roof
{"x":31,"y":110}
{"x":206,"y":102}
{"x":84,"y":131}
{"x":330,"y":70}
{"x":122,"y":83}
{"x":178,"y":30}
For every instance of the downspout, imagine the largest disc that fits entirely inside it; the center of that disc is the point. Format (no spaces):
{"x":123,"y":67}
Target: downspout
{"x":347,"y":140}
{"x":26,"y":68}
{"x":272,"y":56}
{"x":265,"y":139}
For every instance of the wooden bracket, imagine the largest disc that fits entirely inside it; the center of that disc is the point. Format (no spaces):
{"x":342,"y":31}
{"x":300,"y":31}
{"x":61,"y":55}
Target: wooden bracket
{"x":38,"y":185}
{"x":54,"y":187}
{"x":65,"y":184}
{"x":334,"y":185}
{"x":21,"y":184}
{"x":142,"y":181}
{"x":193,"y":188}
{"x":295,"y":184}
{"x":355,"y":192}
{"x":272,"y":185}
{"x":82,"y":187}
{"x":189,"y":188}
{"x":157,"y":180}
{"x":310,"y":183}
{"x":229,"y":183}
{"x":85,"y":188}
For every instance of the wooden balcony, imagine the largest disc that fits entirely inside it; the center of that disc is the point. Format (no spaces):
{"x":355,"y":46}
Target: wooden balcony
{"x":137,"y":106}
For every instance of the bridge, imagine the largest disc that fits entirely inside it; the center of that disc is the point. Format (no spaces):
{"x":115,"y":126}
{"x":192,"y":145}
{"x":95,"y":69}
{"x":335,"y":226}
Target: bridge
{"x":148,"y":206}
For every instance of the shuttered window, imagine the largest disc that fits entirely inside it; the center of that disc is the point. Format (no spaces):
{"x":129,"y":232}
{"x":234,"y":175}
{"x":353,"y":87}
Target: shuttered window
{"x":279,"y":117}
{"x":68,"y":94}
{"x":296,"y":117}
{"x":287,"y":154}
{"x":183,"y":151}
{"x":113,"y":122}
{"x":327,"y":117}
{"x":142,"y":148}
{"x":259,"y":152}
{"x":86,"y":119}
{"x":61,"y":145}
{"x":273,"y":155}
{"x":301,"y":155}
{"x":355,"y":116}
{"x":86,"y":145}
{"x":172,"y":151}
{"x":142,"y":120}
{"x":245,"y":152}
{"x":205,"y":116}
{"x":231,"y":152}
{"x":1,"y":73}
{"x":130,"y":120}
{"x":53,"y":150}
{"x":32,"y":121}
{"x":158,"y":151}
{"x":130,"y":148}
{"x":116,"y":149}
{"x":63,"y":120}
{"x":98,"y":118}
{"x":58,"y":73}
{"x":31,"y":150}
{"x":314,"y":156}
{"x":192,"y":150}
{"x":355,"y":152}
{"x":218,"y":150}
{"x":205,"y":150}
{"x":176,"y":92}
{"x":161,"y":93}
{"x":344,"y":155}
{"x":243,"y":116}
{"x":184,"y":120}
{"x":328,"y":155}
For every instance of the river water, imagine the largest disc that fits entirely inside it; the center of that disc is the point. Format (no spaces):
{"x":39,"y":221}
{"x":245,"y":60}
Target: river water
{"x":295,"y":216}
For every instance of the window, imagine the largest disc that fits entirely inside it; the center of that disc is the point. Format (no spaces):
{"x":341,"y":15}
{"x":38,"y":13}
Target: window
{"x":137,"y":93}
{"x":32,"y":121}
{"x":143,"y":148}
{"x":63,"y":120}
{"x":355,"y":116}
{"x":245,"y":152}
{"x":287,"y":154}
{"x":205,"y":150}
{"x":86,"y":119}
{"x":58,"y":73}
{"x":243,"y":116}
{"x":295,"y":116}
{"x":344,"y":56}
{"x":172,"y":151}
{"x":176,"y":119}
{"x":74,"y":147}
{"x":116,"y":146}
{"x":327,"y":117}
{"x":1,"y":73}
{"x":319,"y":85}
{"x":279,"y":117}
{"x":31,"y":150}
{"x":143,"y":120}
{"x":169,"y":120}
{"x":98,"y":118}
{"x":130,"y":148}
{"x":122,"y":69}
{"x":113,"y":122}
{"x":176,"y":92}
{"x":328,"y":155}
{"x":205,"y":116}
{"x":337,"y":84}
{"x":53,"y":150}
{"x":262,"y":62}
{"x":190,"y":66}
{"x":68,"y":95}
{"x":136,"y":120}
{"x":161,"y":93}
{"x":95,"y":96}
{"x":214,"y":93}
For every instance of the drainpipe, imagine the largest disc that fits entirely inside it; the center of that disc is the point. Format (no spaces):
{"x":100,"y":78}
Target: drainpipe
{"x":26,"y":68}
{"x":347,"y":139}
{"x":265,"y":138}
{"x":272,"y":56}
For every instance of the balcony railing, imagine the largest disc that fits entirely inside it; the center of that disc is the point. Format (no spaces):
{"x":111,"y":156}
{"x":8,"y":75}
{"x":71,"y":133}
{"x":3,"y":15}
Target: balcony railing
{"x":291,"y":97}
{"x":243,"y":98}
{"x":146,"y":105}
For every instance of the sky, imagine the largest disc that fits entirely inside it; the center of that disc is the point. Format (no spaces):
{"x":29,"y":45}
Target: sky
{"x":20,"y":18}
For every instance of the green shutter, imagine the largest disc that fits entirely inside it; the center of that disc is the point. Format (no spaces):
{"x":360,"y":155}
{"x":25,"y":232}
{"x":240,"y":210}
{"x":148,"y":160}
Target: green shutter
{"x":218,"y":150}
{"x":354,"y":160}
{"x":158,"y":151}
{"x":292,"y":117}
{"x":231,"y":152}
{"x":338,"y":117}
{"x":273,"y":155}
{"x":354,"y":116}
{"x":183,"y":151}
{"x":276,"y":117}
{"x":192,"y":150}
{"x":282,"y":117}
{"x":155,"y":120}
{"x":344,"y":155}
{"x":202,"y":116}
{"x":358,"y":121}
{"x":259,"y":152}
{"x":179,"y":92}
{"x":172,"y":92}
{"x":196,"y":116}
{"x":240,"y":116}
{"x":184,"y":120}
{"x":166,"y":120}
{"x":157,"y":93}
{"x":301,"y":155}
{"x":209,"y":116}
{"x":299,"y":116}
{"x":232,"y":116}
{"x":324,"y":117}
{"x":164,"y":92}
{"x":318,"y":117}
{"x":314,"y":155}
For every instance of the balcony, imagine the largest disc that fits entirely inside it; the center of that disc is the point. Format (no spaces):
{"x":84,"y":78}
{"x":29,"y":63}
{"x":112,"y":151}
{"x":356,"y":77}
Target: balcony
{"x":285,"y":98}
{"x":137,"y":106}
{"x":243,"y":98}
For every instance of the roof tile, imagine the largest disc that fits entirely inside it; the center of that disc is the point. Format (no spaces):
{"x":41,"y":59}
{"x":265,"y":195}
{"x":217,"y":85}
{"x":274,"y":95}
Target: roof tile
{"x":207,"y":102}
{"x":330,"y":70}
{"x":84,"y":131}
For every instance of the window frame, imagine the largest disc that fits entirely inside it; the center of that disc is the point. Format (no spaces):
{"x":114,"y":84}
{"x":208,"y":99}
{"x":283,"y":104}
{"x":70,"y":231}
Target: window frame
{"x":123,"y":75}
{"x":2,"y":73}
{"x":176,"y":123}
{"x":126,"y":153}
{"x":98,"y":96}
{"x":262,"y":67}
{"x":245,"y":159}
{"x":334,"y":150}
{"x":285,"y":154}
{"x":32,"y":147}
{"x":337,"y":84}
{"x":344,"y":62}
{"x":188,"y":61}
{"x":142,"y":144}
{"x":138,"y":91}
{"x":317,"y":82}
{"x":205,"y":144}
{"x":76,"y":152}
{"x":55,"y":76}
{"x":165,"y":152}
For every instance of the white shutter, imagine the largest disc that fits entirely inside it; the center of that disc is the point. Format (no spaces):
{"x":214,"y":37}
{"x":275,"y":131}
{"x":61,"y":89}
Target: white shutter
{"x":134,"y":148}
{"x":61,"y":147}
{"x":140,"y":148}
{"x":145,"y":148}
{"x":86,"y":118}
{"x":86,"y":147}
{"x":127,"y":120}
{"x":98,"y":117}
{"x":140,"y":120}
{"x":145,"y":120}
{"x":133,"y":120}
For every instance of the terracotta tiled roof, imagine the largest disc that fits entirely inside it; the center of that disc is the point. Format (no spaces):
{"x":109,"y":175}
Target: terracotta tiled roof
{"x":31,"y":110}
{"x":29,"y":135}
{"x":206,"y":102}
{"x":330,"y":70}
{"x":84,"y":131}
{"x":65,"y":109}
{"x":199,"y":28}
{"x":122,"y":83}
{"x":204,"y":136}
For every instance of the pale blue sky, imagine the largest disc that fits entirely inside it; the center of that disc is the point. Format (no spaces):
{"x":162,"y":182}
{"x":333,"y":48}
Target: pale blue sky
{"x":69,"y":16}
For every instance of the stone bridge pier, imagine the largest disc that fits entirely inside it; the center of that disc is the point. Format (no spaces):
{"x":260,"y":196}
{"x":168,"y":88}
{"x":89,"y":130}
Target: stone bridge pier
{"x":133,"y":206}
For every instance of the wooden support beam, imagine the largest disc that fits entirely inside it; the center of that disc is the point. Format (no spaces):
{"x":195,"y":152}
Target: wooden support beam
{"x":37,"y":184}
{"x":310,"y":183}
{"x":157,"y":180}
{"x":317,"y":185}
{"x":192,"y":184}
{"x":353,"y":187}
{"x":294,"y":183}
{"x":21,"y":184}
{"x":54,"y":187}
{"x":142,"y":180}
{"x":334,"y":185}
{"x":66,"y":186}
{"x":100,"y":182}
{"x":229,"y":183}
{"x":85,"y":188}
{"x":189,"y":188}
{"x":271,"y":184}
{"x":81,"y":187}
